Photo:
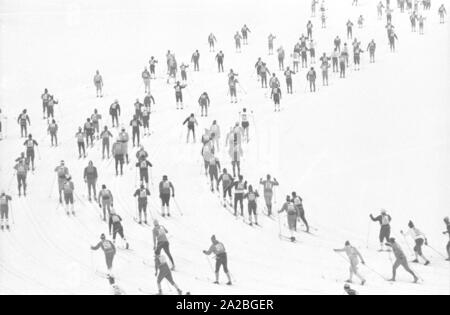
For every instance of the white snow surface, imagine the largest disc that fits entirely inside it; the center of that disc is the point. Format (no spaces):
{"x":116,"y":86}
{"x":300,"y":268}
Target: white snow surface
{"x":378,"y":139}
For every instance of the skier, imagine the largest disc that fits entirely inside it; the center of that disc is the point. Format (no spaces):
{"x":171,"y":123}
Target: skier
{"x":219,"y":58}
{"x":232,"y":82}
{"x":213,"y":168}
{"x":152,"y":62}
{"x":274,"y":82}
{"x":61,"y":171}
{"x":420,"y":239}
{"x":263,"y":72}
{"x":371,"y":49}
{"x":281,"y":56}
{"x":195,"y":60}
{"x":80,"y":142}
{"x":5,"y":205}
{"x":354,"y":256}
{"x":51,"y":107}
{"x":309,"y":29}
{"x":295,"y":60}
{"x":114,"y":111}
{"x":288,"y":74}
{"x":342,"y":66}
{"x":204,"y":103}
{"x":90,"y":178}
{"x":360,"y":21}
{"x":447,"y":224}
{"x":211,"y":41}
{"x":98,"y":82}
{"x":271,"y":38}
{"x":68,"y":189}
{"x":385,"y":222}
{"x":236,"y":154}
{"x":392,"y":38}
{"x":335,"y":59}
{"x":357,"y":51}
{"x":166,"y":189}
{"x":105,"y":201}
{"x":171,"y":67}
{"x":325,"y":66}
{"x":105,"y":136}
{"x":138,"y":108}
{"x":276,"y":96}
{"x":143,"y":166}
{"x":304,"y":55}
{"x":337,"y":43}
{"x":218,"y":249}
{"x":146,"y":78}
{"x":191,"y":122}
{"x":52,"y":130}
{"x":346,"y":53}
{"x":421,"y":24}
{"x":227,"y":182}
{"x":118,"y":154}
{"x":161,"y":242}
{"x":245,"y":30}
{"x":183,"y":71}
{"x":215,"y":135}
{"x":298,"y":203}
{"x":240,"y":187}
{"x":110,"y":251}
{"x":162,"y":272}
{"x":135,"y":124}
{"x":268,"y":185}
{"x":292,"y":216}
{"x":89,"y":132}
{"x":400,"y":260}
{"x":413,"y":19}
{"x":237,"y":42}
{"x":179,"y":94}
{"x":141,"y":155}
{"x":252,"y":197}
{"x":148,"y":100}
{"x":349,"y":29}
{"x":442,"y":13}
{"x":115,"y":224}
{"x":30,"y":143}
{"x":311,"y":77}
{"x":313,"y":7}
{"x":142,"y":195}
{"x":21,"y":172}
{"x":312,"y":51}
{"x":95,"y":118}
{"x":123,"y":139}
{"x":380,"y":8}
{"x":22,"y":120}
{"x":45,"y":97}
{"x":323,"y":19}
{"x":245,"y":124}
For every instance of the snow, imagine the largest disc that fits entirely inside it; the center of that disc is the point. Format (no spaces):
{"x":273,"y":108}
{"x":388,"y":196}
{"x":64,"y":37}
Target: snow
{"x":378,"y":139}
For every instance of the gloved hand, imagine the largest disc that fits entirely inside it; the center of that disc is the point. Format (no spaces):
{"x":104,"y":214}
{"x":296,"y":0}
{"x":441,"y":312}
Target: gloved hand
{"x":204,"y":252}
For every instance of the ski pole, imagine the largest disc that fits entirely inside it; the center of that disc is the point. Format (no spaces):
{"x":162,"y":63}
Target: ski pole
{"x":436,"y":251}
{"x":375,"y":272}
{"x":407,"y":244}
{"x":178,"y":207}
{"x":279,"y":225}
{"x":210,"y":265}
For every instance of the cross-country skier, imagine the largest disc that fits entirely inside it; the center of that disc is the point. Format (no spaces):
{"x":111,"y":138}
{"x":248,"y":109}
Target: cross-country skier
{"x":354,"y":256}
{"x":298,"y":202}
{"x":95,"y":118}
{"x":45,"y":97}
{"x":162,"y":271}
{"x":166,"y":190}
{"x":138,"y":108}
{"x":281,"y":56}
{"x":227,"y":181}
{"x":146,"y":79}
{"x":311,"y":77}
{"x":288,"y":74}
{"x":118,"y":154}
{"x":237,"y":41}
{"x":313,"y":7}
{"x":389,"y":12}
{"x":219,"y":58}
{"x":218,"y":249}
{"x":337,"y":43}
{"x":325,"y":60}
{"x":183,"y":72}
{"x":244,"y":117}
{"x":264,"y":72}
{"x":271,"y":38}
{"x":236,"y":153}
{"x":442,"y":13}
{"x":385,"y":231}
{"x":90,"y":176}
{"x":380,"y":8}
{"x":143,"y":166}
{"x":296,"y":60}
{"x":204,"y":103}
{"x":5,"y":201}
{"x":357,"y":51}
{"x":276,"y":96}
{"x":215,"y":135}
{"x":52,"y":130}
{"x":61,"y":172}
{"x":21,"y":172}
{"x":148,"y":100}
{"x":123,"y":139}
{"x":304,"y":55}
{"x":360,"y":21}
{"x":274,"y":82}
{"x":413,"y":19}
{"x":245,"y":30}
{"x":420,"y":239}
{"x":421,"y":24}
{"x":114,"y":111}
{"x":335,"y":60}
{"x":312,"y":51}
{"x":152,"y":62}
{"x":195,"y":60}
{"x":371,"y":49}
{"x":346,"y":53}
{"x":179,"y":94}
{"x":142,"y":195}
{"x":232,"y":83}
{"x":110,"y":251}
{"x":106,"y":135}
{"x":51,"y":106}
{"x":115,"y":224}
{"x":89,"y":132}
{"x":22,"y":120}
{"x":80,"y":135}
{"x":252,"y":206}
{"x":392,"y":38}
{"x":447,"y":224}
{"x":191,"y":122}
{"x":342,"y":65}
{"x":268,"y":185}
{"x":213,"y":169}
{"x":68,"y":189}
{"x":105,"y":201}
{"x":161,"y":242}
{"x":292,"y":216}
{"x":98,"y":82}
{"x":309,"y":29}
{"x":141,"y":155}
{"x":211,"y":41}
{"x":29,"y":144}
{"x":240,"y":187}
{"x":323,"y":19}
{"x":135,"y":124}
{"x":400,"y":260}
{"x":349,"y":29}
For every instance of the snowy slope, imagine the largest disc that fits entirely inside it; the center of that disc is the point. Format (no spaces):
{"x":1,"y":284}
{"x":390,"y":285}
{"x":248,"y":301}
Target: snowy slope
{"x":377,"y":139}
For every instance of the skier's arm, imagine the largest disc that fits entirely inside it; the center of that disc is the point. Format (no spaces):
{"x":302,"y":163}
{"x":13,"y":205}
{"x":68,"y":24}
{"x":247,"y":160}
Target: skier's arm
{"x":186,"y":121}
{"x":339,"y":250}
{"x":360,"y":256}
{"x":28,"y":119}
{"x":110,"y":225}
{"x":209,"y":251}
{"x":173,"y":190}
{"x":85,"y":174}
{"x":97,"y":246}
